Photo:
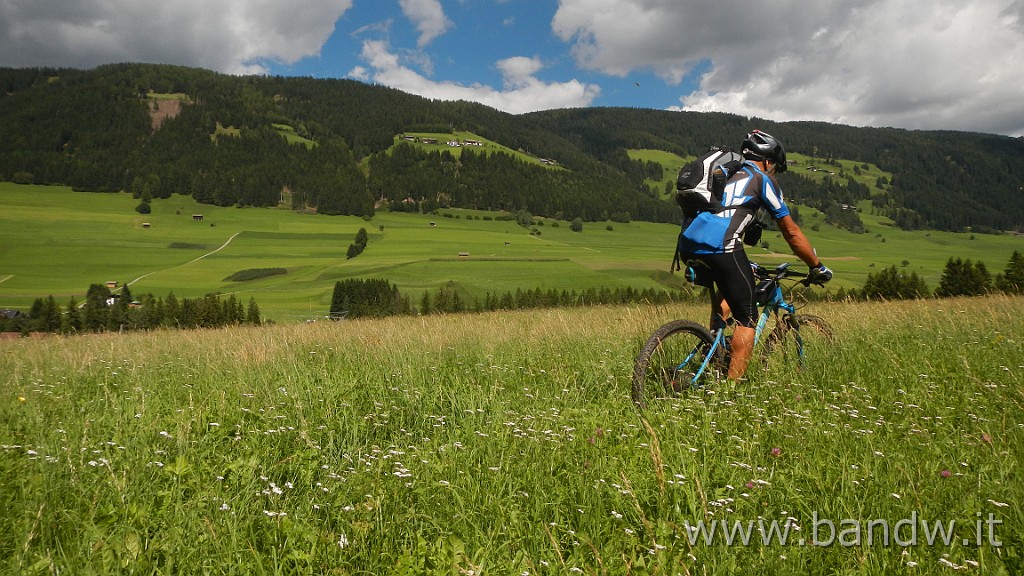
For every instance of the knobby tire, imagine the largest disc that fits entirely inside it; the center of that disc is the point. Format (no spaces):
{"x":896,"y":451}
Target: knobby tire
{"x":663,"y":369}
{"x":813,"y":329}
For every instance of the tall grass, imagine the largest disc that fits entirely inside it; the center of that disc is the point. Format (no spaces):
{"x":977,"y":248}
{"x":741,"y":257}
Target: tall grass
{"x":506,"y":444}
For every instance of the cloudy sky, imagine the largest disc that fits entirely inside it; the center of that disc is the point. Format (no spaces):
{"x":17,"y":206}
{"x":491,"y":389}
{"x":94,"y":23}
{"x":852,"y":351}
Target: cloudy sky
{"x":943,"y":64}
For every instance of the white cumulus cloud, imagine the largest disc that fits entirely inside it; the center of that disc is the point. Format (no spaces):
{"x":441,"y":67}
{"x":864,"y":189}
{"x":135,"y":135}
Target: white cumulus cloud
{"x":948,"y":64}
{"x":232,"y":36}
{"x":522,"y":91}
{"x":429,"y":18}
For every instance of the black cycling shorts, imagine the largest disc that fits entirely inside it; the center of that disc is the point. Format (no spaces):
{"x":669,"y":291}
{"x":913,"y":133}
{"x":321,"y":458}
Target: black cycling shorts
{"x":732,"y":275}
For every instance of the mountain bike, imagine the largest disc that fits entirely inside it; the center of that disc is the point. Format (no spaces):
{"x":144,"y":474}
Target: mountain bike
{"x":684,"y":354}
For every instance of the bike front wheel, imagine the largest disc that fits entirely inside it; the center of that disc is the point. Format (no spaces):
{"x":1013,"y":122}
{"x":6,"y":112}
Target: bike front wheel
{"x":673,"y":358}
{"x":798,"y":334}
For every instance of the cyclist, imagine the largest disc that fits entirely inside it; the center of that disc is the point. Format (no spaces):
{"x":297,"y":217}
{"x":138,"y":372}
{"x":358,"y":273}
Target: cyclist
{"x":714,"y":242}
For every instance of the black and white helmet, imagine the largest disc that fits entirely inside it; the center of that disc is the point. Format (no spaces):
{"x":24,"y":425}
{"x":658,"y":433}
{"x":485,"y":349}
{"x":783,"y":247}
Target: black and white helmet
{"x":763,"y":146}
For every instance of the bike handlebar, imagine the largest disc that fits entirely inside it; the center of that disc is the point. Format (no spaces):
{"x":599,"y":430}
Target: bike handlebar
{"x":783,"y":271}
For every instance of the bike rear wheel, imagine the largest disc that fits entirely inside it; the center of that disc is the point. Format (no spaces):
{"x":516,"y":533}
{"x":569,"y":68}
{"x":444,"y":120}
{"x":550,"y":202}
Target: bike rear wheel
{"x":796,"y":334}
{"x":671,"y":361}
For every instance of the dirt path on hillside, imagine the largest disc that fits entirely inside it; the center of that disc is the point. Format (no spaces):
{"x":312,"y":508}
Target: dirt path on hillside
{"x":222,"y":246}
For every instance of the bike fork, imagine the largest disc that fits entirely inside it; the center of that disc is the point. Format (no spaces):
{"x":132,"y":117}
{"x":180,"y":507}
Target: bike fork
{"x":719,"y":341}
{"x":799,"y":344}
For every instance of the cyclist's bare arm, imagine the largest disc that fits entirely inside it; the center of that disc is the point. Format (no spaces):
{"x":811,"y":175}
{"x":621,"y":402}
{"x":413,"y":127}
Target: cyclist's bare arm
{"x":797,"y":241}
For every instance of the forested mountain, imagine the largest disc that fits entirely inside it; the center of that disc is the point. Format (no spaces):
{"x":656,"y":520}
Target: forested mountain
{"x":157,"y":130}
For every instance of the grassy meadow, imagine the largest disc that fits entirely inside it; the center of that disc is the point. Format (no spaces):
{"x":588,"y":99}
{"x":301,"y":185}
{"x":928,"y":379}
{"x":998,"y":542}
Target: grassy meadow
{"x":505,"y":443}
{"x":817,"y":169}
{"x":440,"y":142}
{"x":57,"y":242}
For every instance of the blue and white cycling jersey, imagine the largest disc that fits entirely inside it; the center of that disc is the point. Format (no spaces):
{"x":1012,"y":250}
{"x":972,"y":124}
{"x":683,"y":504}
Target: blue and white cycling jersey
{"x":722,"y":232}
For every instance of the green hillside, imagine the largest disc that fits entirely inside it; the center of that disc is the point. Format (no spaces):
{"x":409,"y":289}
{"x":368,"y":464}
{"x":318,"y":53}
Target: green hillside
{"x":58,"y":242}
{"x":670,"y":164}
{"x":336,"y":147}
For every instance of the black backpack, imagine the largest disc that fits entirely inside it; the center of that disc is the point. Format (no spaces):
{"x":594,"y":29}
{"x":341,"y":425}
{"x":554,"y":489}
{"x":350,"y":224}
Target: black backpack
{"x":700,"y":187}
{"x":701,"y":183}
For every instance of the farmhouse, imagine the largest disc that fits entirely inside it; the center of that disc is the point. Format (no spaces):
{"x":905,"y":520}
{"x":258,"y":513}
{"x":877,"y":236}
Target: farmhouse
{"x":197,"y":217}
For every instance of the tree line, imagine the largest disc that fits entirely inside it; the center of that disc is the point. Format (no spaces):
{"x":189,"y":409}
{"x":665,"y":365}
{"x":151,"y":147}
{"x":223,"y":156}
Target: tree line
{"x":960,"y":277}
{"x":446,"y":300}
{"x":105,"y":311}
{"x":355,"y":298}
{"x":360,"y":298}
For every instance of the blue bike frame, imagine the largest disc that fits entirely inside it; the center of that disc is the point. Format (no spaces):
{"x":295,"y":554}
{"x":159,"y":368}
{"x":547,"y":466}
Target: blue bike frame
{"x":776,"y":302}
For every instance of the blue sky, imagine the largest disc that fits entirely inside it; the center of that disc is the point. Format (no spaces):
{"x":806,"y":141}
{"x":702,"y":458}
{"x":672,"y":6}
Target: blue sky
{"x":952,"y":65}
{"x":477,"y":37}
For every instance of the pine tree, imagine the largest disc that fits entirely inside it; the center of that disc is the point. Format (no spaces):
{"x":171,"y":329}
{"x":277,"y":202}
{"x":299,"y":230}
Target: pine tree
{"x":1012,"y":279}
{"x":981,"y":280}
{"x":95,"y":313}
{"x":117,"y":317}
{"x":51,"y":320}
{"x":252,"y":315}
{"x":73,"y":319}
{"x":36,"y":316}
{"x":891,"y":284}
{"x":964,"y":278}
{"x":144,"y":205}
{"x":172,"y":312}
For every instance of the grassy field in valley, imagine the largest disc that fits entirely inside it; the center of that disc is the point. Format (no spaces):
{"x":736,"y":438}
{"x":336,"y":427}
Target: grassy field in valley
{"x":57,"y":242}
{"x":505,"y":443}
